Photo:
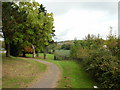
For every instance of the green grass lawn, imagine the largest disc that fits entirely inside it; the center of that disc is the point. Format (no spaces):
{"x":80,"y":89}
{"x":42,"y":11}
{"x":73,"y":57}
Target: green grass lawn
{"x":20,"y":73}
{"x":41,"y":56}
{"x":73,"y":75}
{"x":0,"y":71}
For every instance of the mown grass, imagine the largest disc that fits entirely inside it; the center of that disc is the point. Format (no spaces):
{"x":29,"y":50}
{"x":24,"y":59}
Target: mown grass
{"x":41,"y":56}
{"x":0,"y":71}
{"x":20,"y":73}
{"x":73,"y":74}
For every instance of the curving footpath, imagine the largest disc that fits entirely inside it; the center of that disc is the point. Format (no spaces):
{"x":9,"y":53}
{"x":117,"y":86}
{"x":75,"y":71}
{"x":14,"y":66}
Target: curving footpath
{"x":50,"y":78}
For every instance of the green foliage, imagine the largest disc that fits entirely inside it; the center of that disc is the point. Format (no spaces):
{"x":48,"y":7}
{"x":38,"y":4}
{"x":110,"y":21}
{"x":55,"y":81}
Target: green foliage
{"x":62,"y":54}
{"x":101,"y":62}
{"x":39,"y":24}
{"x":104,"y":68}
{"x":65,"y":46}
{"x":27,"y":23}
{"x":15,"y":49}
{"x":51,"y":47}
{"x":113,"y":45}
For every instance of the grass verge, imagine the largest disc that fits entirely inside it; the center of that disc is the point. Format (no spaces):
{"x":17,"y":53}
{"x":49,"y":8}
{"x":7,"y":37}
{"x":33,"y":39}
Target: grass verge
{"x":19,"y":73}
{"x":73,"y":74}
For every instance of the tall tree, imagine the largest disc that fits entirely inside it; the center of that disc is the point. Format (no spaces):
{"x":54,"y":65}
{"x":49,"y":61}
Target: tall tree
{"x":8,"y":22}
{"x":13,"y":23}
{"x":32,"y":25}
{"x":39,"y":26}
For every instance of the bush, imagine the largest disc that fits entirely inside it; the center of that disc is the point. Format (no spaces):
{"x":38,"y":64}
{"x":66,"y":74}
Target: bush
{"x":101,"y":62}
{"x":80,"y":53}
{"x":106,"y":70}
{"x":103,"y":67}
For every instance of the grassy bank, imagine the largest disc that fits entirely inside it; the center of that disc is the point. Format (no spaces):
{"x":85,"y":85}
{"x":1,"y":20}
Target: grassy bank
{"x":73,"y":75}
{"x":0,"y":71}
{"x":19,"y":73}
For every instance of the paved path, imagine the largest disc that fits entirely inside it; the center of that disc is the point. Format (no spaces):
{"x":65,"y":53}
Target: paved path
{"x":50,"y":78}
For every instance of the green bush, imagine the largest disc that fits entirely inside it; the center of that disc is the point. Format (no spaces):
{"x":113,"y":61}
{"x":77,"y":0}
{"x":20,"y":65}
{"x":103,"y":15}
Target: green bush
{"x":103,"y":67}
{"x":101,"y":62}
{"x":62,"y":54}
{"x":106,"y":70}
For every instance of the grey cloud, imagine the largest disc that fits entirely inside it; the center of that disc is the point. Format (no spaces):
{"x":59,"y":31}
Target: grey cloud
{"x":62,"y":7}
{"x":59,"y":8}
{"x":62,"y":35}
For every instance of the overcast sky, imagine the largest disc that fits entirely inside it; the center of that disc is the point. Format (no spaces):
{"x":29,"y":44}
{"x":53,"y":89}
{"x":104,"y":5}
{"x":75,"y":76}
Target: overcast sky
{"x":75,"y":18}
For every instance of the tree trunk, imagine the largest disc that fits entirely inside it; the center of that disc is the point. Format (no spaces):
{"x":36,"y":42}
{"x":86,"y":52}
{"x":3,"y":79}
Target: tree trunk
{"x":24,"y":54}
{"x":55,"y":58}
{"x":33,"y":51}
{"x":44,"y":55}
{"x":7,"y":50}
{"x":45,"y":50}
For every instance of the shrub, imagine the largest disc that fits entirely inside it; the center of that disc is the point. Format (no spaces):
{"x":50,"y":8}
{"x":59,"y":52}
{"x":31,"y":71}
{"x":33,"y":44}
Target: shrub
{"x":101,"y":62}
{"x":104,"y":68}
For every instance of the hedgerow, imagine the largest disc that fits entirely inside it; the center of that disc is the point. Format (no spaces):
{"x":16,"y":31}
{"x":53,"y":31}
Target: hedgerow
{"x":100,"y":59}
